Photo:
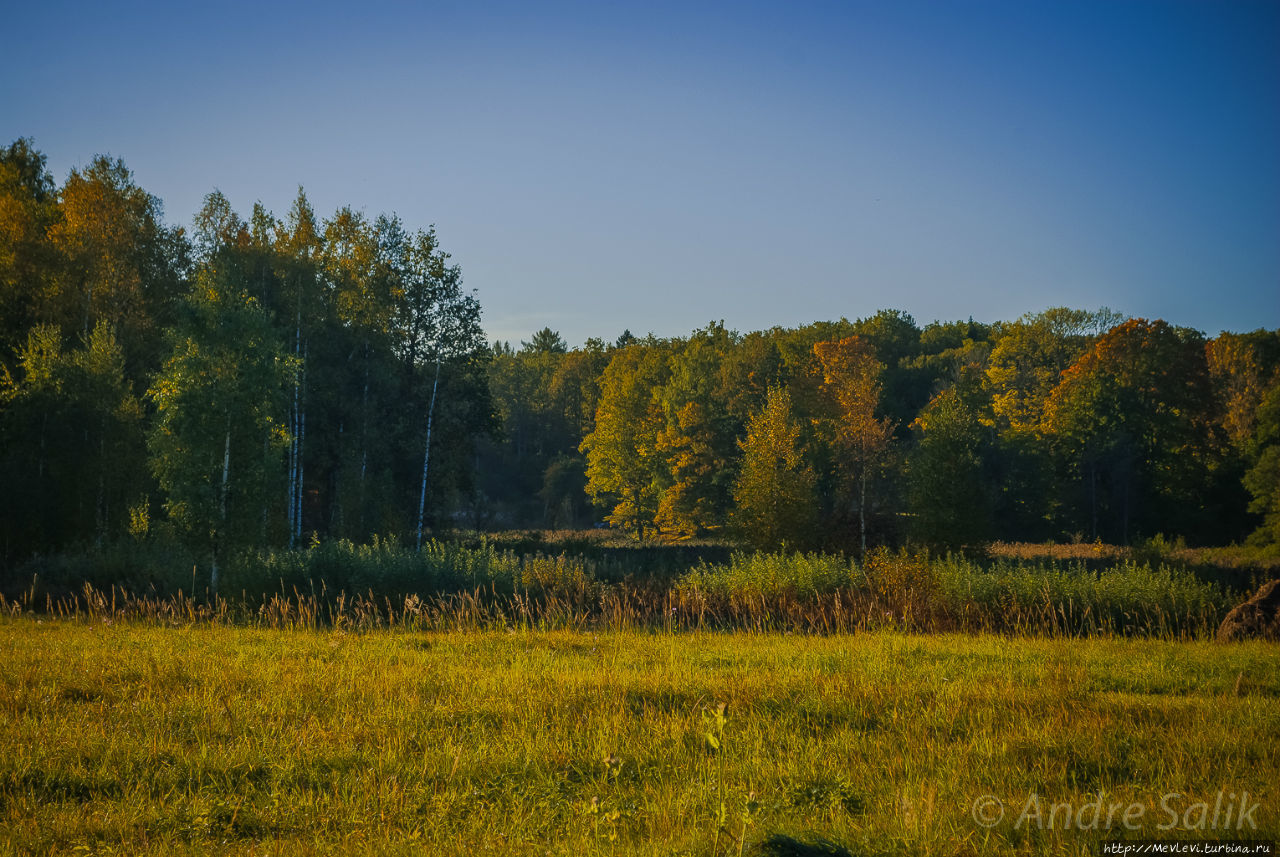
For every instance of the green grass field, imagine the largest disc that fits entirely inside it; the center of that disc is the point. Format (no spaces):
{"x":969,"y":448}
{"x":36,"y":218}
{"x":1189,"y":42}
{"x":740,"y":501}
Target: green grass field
{"x":132,"y":738}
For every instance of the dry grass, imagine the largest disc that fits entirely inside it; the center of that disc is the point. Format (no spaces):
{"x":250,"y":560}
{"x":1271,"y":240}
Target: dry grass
{"x":126,"y":738}
{"x":1042,"y":551}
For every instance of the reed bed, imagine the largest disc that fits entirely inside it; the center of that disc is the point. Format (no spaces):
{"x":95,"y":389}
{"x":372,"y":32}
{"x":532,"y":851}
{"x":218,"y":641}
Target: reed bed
{"x":449,"y":586}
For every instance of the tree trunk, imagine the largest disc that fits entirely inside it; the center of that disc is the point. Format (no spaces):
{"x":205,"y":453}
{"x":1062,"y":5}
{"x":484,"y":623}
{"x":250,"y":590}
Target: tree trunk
{"x":1124,"y":520}
{"x":302,"y":447}
{"x":102,"y":486}
{"x":293,"y":427}
{"x":364,"y":440}
{"x":222,"y":526}
{"x":1093,"y":499}
{"x":426,"y":456}
{"x":862,"y":510}
{"x":266,"y":455}
{"x":44,"y":433}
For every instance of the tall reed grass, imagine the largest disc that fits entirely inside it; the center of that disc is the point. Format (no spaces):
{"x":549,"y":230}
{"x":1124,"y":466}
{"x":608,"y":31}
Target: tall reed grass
{"x":448,"y":585}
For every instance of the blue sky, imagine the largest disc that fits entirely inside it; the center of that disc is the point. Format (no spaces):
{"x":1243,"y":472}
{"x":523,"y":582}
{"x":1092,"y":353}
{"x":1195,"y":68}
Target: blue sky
{"x":595,"y":167}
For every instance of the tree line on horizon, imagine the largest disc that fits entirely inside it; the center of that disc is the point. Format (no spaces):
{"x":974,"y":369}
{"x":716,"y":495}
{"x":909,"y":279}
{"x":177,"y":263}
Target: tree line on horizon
{"x":1064,"y":424}
{"x":268,"y":381}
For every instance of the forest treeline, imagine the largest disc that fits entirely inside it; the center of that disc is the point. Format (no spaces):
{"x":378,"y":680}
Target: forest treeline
{"x":1064,"y":424}
{"x":270,"y":381}
{"x":257,"y":382}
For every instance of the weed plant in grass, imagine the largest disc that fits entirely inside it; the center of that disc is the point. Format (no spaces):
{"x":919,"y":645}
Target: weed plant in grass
{"x":132,"y":738}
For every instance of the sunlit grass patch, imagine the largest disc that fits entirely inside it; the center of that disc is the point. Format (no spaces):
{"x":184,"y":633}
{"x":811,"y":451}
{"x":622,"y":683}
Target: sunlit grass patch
{"x":144,"y":739}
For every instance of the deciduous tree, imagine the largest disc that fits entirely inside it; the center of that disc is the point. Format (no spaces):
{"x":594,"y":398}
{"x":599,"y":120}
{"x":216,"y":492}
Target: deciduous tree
{"x":774,"y":493}
{"x":220,"y":430}
{"x":945,"y":477}
{"x":625,"y":469}
{"x":851,"y":377}
{"x":1133,"y":422}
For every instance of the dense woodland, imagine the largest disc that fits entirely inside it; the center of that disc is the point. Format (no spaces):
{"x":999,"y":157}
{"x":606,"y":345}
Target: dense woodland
{"x":269,"y":382}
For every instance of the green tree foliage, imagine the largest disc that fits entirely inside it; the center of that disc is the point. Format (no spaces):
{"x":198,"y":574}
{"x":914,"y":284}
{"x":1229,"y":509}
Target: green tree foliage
{"x":28,"y":207}
{"x":220,"y":430}
{"x":953,"y":354}
{"x":119,"y":263}
{"x":1244,"y":367}
{"x":575,"y":387}
{"x":73,"y":459}
{"x":330,"y":376}
{"x":775,"y":489}
{"x":1132,"y":420}
{"x":545,"y":341}
{"x":1263,"y":478}
{"x":1030,"y":355}
{"x":454,"y":339}
{"x":698,"y":437}
{"x":753,"y":367}
{"x":894,"y":340}
{"x":851,"y":378}
{"x":945,"y":474}
{"x":1025,"y":364}
{"x":547,"y":395}
{"x":626,"y":471}
{"x":563,"y":493}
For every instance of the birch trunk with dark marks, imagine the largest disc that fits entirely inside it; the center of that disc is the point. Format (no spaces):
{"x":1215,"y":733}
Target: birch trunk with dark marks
{"x":293,"y":427}
{"x":426,"y":456}
{"x":302,"y":447}
{"x":222,"y":526}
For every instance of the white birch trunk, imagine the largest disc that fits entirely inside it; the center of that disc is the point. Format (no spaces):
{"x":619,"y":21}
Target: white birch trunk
{"x":222,"y":527}
{"x":302,"y":448}
{"x":426,"y":457}
{"x":293,"y":427}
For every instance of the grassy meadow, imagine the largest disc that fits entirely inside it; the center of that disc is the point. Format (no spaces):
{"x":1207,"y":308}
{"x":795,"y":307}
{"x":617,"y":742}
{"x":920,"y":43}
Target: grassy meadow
{"x":123,"y":736}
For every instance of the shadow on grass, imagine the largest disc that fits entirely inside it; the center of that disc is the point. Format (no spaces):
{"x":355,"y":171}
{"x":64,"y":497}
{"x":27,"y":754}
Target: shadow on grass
{"x":781,"y":845}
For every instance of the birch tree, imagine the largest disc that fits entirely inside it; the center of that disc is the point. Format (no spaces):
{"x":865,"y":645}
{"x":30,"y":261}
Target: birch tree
{"x":851,"y":377}
{"x":120,"y":263}
{"x":220,"y":426}
{"x":437,"y":325}
{"x":299,"y":247}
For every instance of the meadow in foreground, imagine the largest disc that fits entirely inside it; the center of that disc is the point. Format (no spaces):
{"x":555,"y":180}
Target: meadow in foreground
{"x":133,"y":738}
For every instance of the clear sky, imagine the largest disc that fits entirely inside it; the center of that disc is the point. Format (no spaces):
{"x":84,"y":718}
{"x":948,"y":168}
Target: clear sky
{"x":654,"y":166}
